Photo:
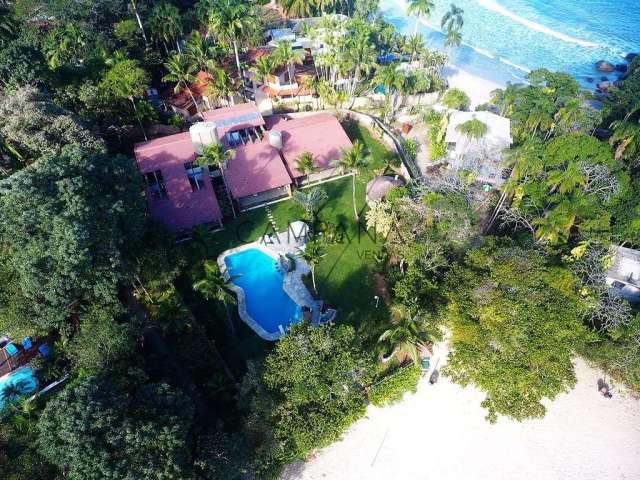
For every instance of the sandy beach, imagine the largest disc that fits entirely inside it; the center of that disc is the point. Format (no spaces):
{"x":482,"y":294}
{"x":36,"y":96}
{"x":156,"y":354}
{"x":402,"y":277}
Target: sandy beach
{"x":477,"y":88}
{"x":440,"y":433}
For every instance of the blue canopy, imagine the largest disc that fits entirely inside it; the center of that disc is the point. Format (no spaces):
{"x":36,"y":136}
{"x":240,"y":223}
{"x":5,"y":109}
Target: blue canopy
{"x":11,"y":349}
{"x":26,"y":343}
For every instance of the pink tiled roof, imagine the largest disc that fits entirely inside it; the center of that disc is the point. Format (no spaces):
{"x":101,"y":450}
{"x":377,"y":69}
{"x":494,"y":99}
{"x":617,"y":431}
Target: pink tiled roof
{"x":321,"y":134}
{"x":182,"y":208}
{"x":255,"y":168}
{"x":236,"y":117}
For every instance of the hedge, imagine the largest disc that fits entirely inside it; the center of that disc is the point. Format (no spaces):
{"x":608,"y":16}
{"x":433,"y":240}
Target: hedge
{"x":392,"y":388}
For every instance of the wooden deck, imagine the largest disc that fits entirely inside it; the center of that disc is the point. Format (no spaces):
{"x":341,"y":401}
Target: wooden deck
{"x":9,"y":364}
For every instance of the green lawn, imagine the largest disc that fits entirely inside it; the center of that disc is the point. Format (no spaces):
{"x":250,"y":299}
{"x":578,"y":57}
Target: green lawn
{"x":344,"y":277}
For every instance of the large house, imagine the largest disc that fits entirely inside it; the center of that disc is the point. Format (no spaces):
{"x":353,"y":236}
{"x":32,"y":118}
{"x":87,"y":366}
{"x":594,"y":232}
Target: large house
{"x":482,"y":156}
{"x":262,"y":169}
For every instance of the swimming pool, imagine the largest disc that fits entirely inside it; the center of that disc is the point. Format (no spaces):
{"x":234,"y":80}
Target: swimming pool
{"x":262,"y":302}
{"x":23,"y":380}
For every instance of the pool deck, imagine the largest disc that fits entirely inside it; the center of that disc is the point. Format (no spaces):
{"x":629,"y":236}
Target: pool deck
{"x":293,"y":285}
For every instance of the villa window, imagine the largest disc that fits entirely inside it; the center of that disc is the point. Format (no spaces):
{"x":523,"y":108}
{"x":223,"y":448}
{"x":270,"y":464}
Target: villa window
{"x":195,"y":176}
{"x":155,"y":184}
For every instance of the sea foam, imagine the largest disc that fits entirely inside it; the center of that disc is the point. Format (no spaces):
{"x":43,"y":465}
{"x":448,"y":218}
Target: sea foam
{"x":496,"y":7}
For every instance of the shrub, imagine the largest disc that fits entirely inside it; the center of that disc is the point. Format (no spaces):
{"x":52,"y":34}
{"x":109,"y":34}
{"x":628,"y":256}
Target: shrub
{"x":437,"y":150}
{"x":456,"y":99}
{"x":392,"y":388}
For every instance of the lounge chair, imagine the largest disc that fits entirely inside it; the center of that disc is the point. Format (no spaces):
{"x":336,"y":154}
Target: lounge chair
{"x":44,"y":350}
{"x":11,"y":349}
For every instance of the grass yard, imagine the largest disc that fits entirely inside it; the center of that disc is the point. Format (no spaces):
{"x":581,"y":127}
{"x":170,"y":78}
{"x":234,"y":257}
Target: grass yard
{"x":344,"y":277}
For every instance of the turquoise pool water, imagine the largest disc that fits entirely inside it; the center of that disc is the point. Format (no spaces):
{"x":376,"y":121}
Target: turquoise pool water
{"x":266,"y":301}
{"x":503,"y":39}
{"x":23,"y":379}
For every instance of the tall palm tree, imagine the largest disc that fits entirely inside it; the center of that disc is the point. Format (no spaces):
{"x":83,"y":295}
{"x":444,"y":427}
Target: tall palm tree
{"x":262,"y":68}
{"x":361,"y":58}
{"x":215,"y":155}
{"x":453,"y":38}
{"x":472,"y":129}
{"x":453,"y":19}
{"x":222,"y":85}
{"x":313,"y":254}
{"x":202,"y":51}
{"x":415,"y":46}
{"x":306,"y":163}
{"x":286,"y":55}
{"x":569,"y":117}
{"x":166,"y":25}
{"x":420,"y":8}
{"x":298,"y":8}
{"x":213,"y":286}
{"x":233,"y":22}
{"x":407,"y":334}
{"x":351,"y":160}
{"x":310,"y":200}
{"x":181,"y":71}
{"x":393,"y":80}
{"x":134,"y":8}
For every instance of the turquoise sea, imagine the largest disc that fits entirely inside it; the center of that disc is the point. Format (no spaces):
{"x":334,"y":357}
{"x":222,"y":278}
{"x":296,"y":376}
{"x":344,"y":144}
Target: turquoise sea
{"x":504,"y":39}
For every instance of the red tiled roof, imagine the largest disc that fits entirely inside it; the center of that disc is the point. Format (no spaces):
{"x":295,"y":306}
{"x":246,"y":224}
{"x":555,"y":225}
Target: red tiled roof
{"x":198,"y":89}
{"x":320,"y":134}
{"x":182,"y":208}
{"x":255,"y":168}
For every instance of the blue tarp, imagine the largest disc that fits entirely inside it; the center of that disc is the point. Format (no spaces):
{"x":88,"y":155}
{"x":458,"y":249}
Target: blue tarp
{"x":26,"y":343}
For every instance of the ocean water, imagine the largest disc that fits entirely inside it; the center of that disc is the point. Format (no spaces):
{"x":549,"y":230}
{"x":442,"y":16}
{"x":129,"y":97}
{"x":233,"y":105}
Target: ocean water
{"x":504,"y":39}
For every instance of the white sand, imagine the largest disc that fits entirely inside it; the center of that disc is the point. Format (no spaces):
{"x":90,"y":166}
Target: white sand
{"x":479,"y":89}
{"x":440,"y":433}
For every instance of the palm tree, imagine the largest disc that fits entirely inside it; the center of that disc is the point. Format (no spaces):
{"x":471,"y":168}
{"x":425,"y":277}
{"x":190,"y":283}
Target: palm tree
{"x":182,"y":71}
{"x":567,"y":179}
{"x":310,"y":201}
{"x":286,"y":55}
{"x":569,"y":117}
{"x":393,"y":80}
{"x":262,"y":68}
{"x":453,"y":19}
{"x":626,"y":140}
{"x":360,"y":57}
{"x":213,"y":286}
{"x":298,"y":8}
{"x":202,"y":52}
{"x":406,"y":336}
{"x":134,"y":8}
{"x":472,"y":129}
{"x":350,"y":161}
{"x":217,"y":156}
{"x":453,"y":38}
{"x":166,"y":25}
{"x":415,"y":46}
{"x":420,"y":8}
{"x":312,"y":253}
{"x":306,"y":163}
{"x":506,"y":99}
{"x":233,"y":22}
{"x":221,"y":85}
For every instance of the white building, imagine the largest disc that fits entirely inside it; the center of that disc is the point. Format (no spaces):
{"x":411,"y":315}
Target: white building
{"x":483,"y":156}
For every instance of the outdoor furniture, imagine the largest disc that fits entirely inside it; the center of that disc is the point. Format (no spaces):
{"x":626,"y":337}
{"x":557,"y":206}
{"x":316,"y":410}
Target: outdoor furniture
{"x":11,"y":349}
{"x":424,"y":364}
{"x":44,"y":350}
{"x":27,"y":343}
